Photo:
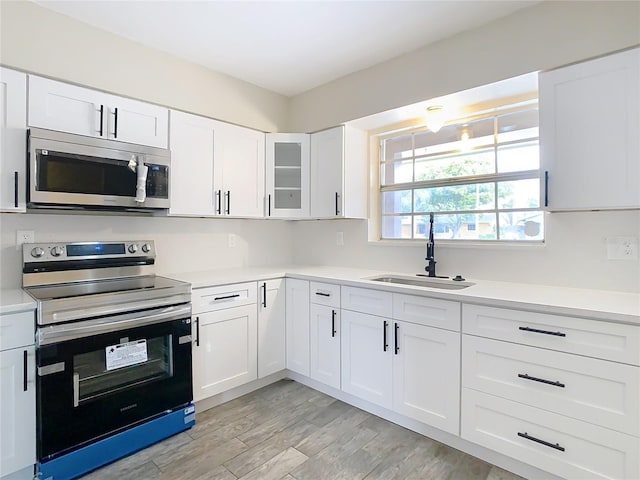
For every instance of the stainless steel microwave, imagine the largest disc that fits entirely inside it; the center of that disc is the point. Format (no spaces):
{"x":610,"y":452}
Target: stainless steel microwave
{"x":67,"y":171}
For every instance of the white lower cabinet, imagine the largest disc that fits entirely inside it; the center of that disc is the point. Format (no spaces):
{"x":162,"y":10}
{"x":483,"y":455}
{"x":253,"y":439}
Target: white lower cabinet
{"x":426,"y":372}
{"x":325,"y":344}
{"x":367,"y":357}
{"x":271,"y":327}
{"x":563,"y":446}
{"x":18,"y":395}
{"x":297,"y":298}
{"x":225,"y":332}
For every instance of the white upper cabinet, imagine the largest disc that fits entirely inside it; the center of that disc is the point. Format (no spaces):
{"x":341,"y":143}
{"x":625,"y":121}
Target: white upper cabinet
{"x":13,"y":140}
{"x":239,"y":170}
{"x":217,"y":169}
{"x":589,"y":141}
{"x":68,"y":108}
{"x":339,"y":173}
{"x":192,"y":190}
{"x":287,"y":175}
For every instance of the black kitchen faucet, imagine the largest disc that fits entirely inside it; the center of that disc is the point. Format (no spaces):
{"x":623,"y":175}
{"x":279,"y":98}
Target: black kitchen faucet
{"x":431,"y":251}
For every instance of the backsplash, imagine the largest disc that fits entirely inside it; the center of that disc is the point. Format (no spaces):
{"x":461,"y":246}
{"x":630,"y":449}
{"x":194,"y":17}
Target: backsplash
{"x":182,"y":244}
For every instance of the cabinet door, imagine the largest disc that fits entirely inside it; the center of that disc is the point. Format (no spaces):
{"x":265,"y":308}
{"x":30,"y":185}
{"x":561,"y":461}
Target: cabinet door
{"x":67,"y":108}
{"x":367,"y":357}
{"x":224,"y":351}
{"x":138,"y":122}
{"x":192,"y":191}
{"x":325,"y":344}
{"x":240,"y":152}
{"x":297,"y":299}
{"x":287,"y":175}
{"x":271,"y":327}
{"x":13,"y":140}
{"x":17,"y":409}
{"x":327,"y":153}
{"x":426,"y":375}
{"x":589,"y":142}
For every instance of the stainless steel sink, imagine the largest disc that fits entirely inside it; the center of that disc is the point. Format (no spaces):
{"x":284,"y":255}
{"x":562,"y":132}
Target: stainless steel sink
{"x":423,"y":282}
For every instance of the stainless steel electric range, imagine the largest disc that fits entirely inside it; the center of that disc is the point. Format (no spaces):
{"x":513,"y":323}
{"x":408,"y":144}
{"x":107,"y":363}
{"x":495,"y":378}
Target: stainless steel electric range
{"x":113,"y":353}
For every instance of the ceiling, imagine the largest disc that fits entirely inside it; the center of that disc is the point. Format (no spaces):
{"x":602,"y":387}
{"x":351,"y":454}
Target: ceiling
{"x":287,"y":47}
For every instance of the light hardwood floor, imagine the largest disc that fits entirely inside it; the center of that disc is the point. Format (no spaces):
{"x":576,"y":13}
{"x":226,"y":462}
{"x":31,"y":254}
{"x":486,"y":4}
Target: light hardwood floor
{"x":291,"y":432}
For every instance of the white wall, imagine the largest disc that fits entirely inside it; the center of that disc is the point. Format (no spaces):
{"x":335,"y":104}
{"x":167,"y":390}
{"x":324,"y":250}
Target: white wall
{"x":182,"y":244}
{"x":546,"y":35}
{"x":38,"y":40}
{"x":575,"y":253}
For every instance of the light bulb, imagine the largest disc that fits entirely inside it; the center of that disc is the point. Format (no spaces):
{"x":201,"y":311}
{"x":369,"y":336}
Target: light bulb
{"x":434,"y":118}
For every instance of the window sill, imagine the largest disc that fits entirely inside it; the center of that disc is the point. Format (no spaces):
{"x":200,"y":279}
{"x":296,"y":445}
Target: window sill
{"x":463,"y":244}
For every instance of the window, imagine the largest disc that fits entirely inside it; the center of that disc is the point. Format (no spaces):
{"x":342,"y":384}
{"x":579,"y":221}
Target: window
{"x":480,"y":178}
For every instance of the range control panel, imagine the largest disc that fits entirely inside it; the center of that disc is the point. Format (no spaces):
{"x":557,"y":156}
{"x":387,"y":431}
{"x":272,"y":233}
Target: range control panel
{"x":51,"y":252}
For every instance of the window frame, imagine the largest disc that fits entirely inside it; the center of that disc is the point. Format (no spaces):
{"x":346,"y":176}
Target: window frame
{"x":376,"y":225}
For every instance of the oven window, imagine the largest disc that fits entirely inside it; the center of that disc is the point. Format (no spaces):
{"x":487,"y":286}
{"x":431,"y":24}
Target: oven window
{"x":95,"y":375}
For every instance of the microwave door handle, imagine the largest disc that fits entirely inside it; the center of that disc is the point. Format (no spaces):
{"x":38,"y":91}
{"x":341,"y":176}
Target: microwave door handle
{"x":76,"y":389}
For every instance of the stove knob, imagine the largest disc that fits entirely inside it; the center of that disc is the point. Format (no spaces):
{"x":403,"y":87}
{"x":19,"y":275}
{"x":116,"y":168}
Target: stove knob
{"x":133,"y":248}
{"x":57,"y":251}
{"x":37,"y":252}
{"x":146,"y":248}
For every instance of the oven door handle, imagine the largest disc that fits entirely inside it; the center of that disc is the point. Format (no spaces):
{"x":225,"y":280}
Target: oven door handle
{"x":71,"y":331}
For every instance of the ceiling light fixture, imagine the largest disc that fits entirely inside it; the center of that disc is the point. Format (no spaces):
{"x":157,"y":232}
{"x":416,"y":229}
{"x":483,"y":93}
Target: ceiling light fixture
{"x":434,"y":118}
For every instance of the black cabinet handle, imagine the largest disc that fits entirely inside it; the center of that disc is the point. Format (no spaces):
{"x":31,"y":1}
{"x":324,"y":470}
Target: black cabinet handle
{"x":218,"y":202}
{"x":542,"y":442}
{"x":333,"y":323}
{"x":384,"y":336}
{"x":337,"y":203}
{"x":323,"y":294}
{"x":228,"y":197}
{"x":115,"y":124}
{"x":395,"y":338}
{"x":227,"y":296}
{"x":269,"y":205}
{"x":264,"y":294}
{"x":101,"y":118}
{"x":541,"y":380}
{"x":197,"y":331}
{"x":15,"y":189}
{"x":24,"y":365}
{"x":546,"y":188}
{"x":545,"y":332}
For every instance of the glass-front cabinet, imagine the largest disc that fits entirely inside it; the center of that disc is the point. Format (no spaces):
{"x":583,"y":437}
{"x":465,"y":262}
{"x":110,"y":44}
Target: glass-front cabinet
{"x":287,"y":175}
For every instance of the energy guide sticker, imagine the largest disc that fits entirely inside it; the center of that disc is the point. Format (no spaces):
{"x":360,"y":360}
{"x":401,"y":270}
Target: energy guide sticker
{"x":126,"y":354}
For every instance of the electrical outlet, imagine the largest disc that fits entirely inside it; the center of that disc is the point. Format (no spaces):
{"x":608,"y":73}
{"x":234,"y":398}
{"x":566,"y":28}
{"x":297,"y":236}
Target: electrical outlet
{"x":622,"y":248}
{"x":24,"y":236}
{"x":339,"y":239}
{"x":232,"y":240}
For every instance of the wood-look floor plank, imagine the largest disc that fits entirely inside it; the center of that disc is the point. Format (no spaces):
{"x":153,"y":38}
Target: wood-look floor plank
{"x":292,"y":432}
{"x":278,"y":466}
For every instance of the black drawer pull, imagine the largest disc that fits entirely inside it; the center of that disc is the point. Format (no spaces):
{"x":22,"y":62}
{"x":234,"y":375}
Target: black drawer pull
{"x":15,"y":189}
{"x":197,"y":331}
{"x":542,"y":442}
{"x":226,"y":297}
{"x":219,"y":202}
{"x":384,"y":336}
{"x":541,"y":380}
{"x":264,"y":294}
{"x":546,"y":332}
{"x":395,"y":338}
{"x":323,"y":294}
{"x":101,"y":118}
{"x":115,"y":124}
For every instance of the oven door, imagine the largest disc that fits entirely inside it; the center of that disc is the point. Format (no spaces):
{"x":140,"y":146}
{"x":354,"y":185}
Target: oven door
{"x":100,"y":376}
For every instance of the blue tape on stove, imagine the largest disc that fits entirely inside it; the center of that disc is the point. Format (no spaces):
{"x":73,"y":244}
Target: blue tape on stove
{"x":85,"y":459}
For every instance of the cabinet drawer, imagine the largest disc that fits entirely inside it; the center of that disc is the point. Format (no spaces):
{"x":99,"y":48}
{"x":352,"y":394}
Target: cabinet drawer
{"x":365,"y":300}
{"x":427,"y":311}
{"x":593,"y":338}
{"x":17,"y":330}
{"x":225,"y":296}
{"x":589,"y":389}
{"x":571,"y":448}
{"x":325,"y":294}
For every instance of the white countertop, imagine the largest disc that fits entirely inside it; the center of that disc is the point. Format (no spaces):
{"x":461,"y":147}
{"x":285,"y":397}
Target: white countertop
{"x":598,"y":304}
{"x":15,"y":300}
